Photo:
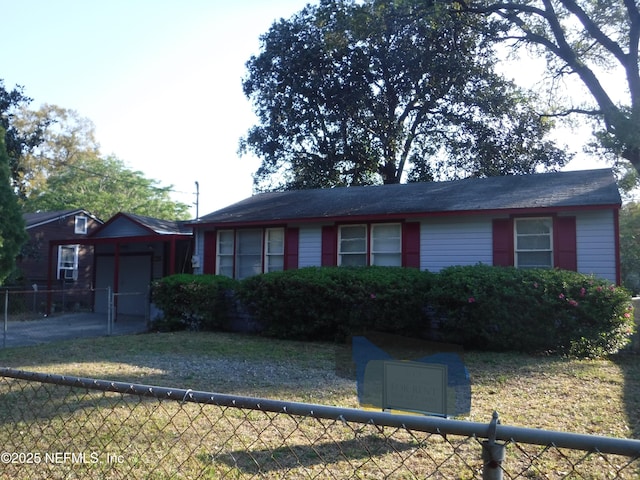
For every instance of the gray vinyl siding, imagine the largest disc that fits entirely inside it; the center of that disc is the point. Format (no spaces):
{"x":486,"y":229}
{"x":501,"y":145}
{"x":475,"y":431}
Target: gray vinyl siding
{"x":455,"y":241}
{"x":310,"y":246}
{"x":122,"y":227}
{"x":595,"y":237}
{"x":199,"y":250}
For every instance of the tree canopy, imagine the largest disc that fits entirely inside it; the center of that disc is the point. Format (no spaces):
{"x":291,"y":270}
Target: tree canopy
{"x":352,"y":93}
{"x":630,"y":246}
{"x":55,"y":164}
{"x":591,"y":41}
{"x":63,"y":137}
{"x":104,"y":186}
{"x":17,"y":143}
{"x":12,"y":227}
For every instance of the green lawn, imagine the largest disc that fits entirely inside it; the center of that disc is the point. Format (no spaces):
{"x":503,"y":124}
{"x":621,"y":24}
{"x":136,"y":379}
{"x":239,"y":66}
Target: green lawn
{"x":585,"y":396}
{"x":589,"y":396}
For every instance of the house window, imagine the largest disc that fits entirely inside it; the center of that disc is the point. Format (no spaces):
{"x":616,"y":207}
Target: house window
{"x":352,"y":245}
{"x":80,"y":225}
{"x":386,"y":245}
{"x":274,"y":250}
{"x":225,"y":253}
{"x":246,"y":252}
{"x":533,"y":242}
{"x":384,"y":249}
{"x":68,"y":262}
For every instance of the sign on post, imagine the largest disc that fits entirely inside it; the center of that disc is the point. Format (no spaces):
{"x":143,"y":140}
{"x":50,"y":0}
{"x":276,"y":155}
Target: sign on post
{"x":415,"y":387}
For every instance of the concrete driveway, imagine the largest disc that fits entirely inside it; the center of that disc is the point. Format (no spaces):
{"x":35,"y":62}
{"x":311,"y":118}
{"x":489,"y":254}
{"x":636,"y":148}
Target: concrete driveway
{"x":66,"y":327}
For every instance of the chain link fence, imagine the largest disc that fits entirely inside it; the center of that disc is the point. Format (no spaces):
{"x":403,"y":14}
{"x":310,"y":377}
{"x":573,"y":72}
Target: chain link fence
{"x":36,"y":303}
{"x":37,"y":316}
{"x":58,"y":427}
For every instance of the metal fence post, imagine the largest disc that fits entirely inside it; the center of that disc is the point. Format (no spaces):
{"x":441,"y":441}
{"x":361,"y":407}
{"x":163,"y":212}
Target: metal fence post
{"x":6,"y":317}
{"x":493,"y":453}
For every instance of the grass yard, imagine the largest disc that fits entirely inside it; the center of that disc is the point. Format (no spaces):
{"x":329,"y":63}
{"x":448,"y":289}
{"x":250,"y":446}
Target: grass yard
{"x":584,"y":396}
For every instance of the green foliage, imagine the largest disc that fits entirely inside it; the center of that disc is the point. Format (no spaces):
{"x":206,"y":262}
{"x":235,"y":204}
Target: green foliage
{"x":198,"y":302}
{"x":63,"y":137}
{"x":104,"y":186}
{"x":333,"y":303}
{"x":357,"y":93}
{"x":589,"y":41}
{"x":12,"y":227}
{"x":630,"y":246}
{"x":16,"y":141}
{"x":480,"y":307}
{"x":498,"y":308}
{"x":57,"y":165}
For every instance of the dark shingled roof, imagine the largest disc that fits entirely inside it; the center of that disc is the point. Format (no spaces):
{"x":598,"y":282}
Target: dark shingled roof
{"x":159,"y":226}
{"x":35,"y":219}
{"x":545,"y":190}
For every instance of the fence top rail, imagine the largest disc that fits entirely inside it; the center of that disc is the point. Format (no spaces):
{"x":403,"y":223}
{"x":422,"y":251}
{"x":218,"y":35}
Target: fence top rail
{"x":442,"y":426}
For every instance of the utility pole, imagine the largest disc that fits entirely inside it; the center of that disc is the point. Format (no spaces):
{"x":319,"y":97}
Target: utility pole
{"x":197,"y":200}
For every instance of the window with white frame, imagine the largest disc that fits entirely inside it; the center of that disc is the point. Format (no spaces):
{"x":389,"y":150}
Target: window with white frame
{"x":225,"y":249}
{"x":352,"y":245}
{"x":248,"y":253}
{"x":245,"y":252}
{"x":68,"y":262}
{"x":533,"y":242}
{"x":383,"y":249}
{"x":386,"y":245}
{"x":80,"y":224}
{"x":274,"y":250}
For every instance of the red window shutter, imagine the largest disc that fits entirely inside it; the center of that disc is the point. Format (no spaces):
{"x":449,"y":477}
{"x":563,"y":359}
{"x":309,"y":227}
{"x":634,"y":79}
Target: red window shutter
{"x":503,"y":242}
{"x":209,"y":262}
{"x":565,"y":252}
{"x":291,"y":248}
{"x":411,"y":244}
{"x":329,"y":246}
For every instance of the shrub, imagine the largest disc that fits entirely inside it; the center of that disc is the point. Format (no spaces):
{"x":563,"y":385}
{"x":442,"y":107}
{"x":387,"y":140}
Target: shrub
{"x":501,"y":308}
{"x":481,"y":307}
{"x":335,"y":302}
{"x":197,"y":302}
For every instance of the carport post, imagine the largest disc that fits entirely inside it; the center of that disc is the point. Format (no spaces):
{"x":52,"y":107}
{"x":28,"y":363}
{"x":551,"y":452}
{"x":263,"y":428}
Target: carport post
{"x":109,"y":311}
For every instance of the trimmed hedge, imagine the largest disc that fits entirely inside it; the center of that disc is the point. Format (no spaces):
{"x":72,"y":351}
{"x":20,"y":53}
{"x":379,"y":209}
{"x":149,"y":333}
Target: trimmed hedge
{"x":480,"y":307}
{"x":195,"y":302}
{"x":333,"y":303}
{"x":501,"y":308}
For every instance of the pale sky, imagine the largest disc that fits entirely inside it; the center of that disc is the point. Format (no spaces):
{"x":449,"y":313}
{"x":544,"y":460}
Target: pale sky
{"x":160,"y":79}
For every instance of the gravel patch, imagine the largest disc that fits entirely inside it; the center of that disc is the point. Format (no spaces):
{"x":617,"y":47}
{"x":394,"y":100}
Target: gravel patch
{"x":226,"y":374}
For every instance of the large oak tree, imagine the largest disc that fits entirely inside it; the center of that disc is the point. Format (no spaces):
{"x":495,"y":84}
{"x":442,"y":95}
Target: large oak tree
{"x":589,"y":41}
{"x":352,"y":93}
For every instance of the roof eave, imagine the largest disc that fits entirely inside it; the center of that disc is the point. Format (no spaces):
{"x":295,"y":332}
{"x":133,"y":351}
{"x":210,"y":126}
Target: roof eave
{"x":400,"y":216}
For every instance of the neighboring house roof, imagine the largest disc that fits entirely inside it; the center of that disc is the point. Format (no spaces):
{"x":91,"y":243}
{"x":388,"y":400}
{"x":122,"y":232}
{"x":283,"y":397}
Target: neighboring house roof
{"x":41,"y":218}
{"x":560,"y":190}
{"x":161,"y":227}
{"x":120,"y":225}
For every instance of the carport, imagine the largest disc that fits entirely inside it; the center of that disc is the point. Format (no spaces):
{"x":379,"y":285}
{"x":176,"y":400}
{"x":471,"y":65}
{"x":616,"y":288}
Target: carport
{"x":130,"y":251}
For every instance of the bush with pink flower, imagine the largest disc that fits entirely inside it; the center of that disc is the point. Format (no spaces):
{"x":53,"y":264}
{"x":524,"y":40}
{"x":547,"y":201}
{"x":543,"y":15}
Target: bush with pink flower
{"x":533,"y":311}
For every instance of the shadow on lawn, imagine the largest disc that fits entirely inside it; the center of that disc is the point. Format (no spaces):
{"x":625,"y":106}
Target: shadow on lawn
{"x":629,"y":364}
{"x":287,"y":457}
